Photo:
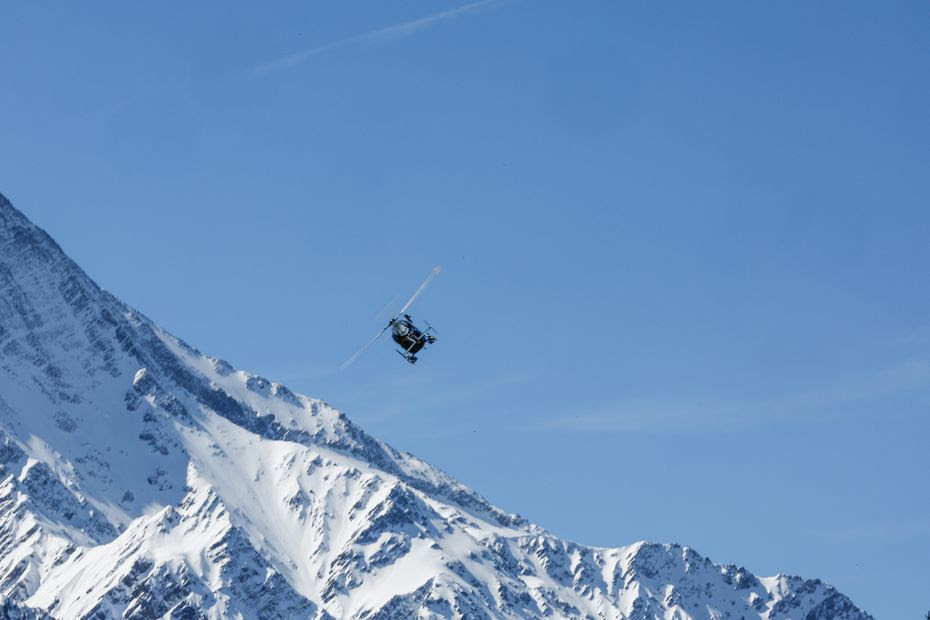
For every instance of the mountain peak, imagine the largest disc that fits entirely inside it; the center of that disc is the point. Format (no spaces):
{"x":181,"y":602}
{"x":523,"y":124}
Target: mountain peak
{"x":21,"y":240}
{"x":140,"y":478}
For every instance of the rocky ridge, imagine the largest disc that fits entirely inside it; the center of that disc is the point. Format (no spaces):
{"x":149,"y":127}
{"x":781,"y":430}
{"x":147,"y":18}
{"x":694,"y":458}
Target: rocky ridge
{"x":141,"y":478}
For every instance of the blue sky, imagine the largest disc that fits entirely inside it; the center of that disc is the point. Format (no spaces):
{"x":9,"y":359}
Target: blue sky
{"x":684,"y":292}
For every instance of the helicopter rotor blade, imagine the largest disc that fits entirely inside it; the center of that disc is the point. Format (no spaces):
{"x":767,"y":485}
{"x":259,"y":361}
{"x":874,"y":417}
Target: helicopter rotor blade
{"x":355,"y":355}
{"x":429,"y":278}
{"x":385,"y":311}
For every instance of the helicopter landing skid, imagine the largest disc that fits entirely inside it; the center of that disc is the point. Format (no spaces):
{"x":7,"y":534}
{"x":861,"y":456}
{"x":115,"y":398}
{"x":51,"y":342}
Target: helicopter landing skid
{"x":410,"y":357}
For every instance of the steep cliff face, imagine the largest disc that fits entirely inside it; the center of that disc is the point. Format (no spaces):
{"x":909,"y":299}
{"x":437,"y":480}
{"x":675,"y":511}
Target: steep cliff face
{"x":141,"y":478}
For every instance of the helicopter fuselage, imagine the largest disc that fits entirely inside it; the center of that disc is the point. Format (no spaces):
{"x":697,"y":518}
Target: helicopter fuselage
{"x":406,"y":334}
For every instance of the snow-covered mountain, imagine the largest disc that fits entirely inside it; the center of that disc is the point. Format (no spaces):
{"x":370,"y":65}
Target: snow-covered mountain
{"x":141,"y":478}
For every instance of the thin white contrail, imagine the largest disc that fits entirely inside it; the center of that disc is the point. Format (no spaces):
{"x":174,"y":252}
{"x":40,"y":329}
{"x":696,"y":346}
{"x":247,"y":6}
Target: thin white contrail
{"x":381,"y":35}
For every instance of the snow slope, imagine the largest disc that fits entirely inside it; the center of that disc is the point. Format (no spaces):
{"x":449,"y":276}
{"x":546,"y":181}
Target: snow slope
{"x":141,"y":478}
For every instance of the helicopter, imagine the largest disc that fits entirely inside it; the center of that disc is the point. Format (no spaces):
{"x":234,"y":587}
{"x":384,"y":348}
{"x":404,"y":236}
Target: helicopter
{"x":403,"y":331}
